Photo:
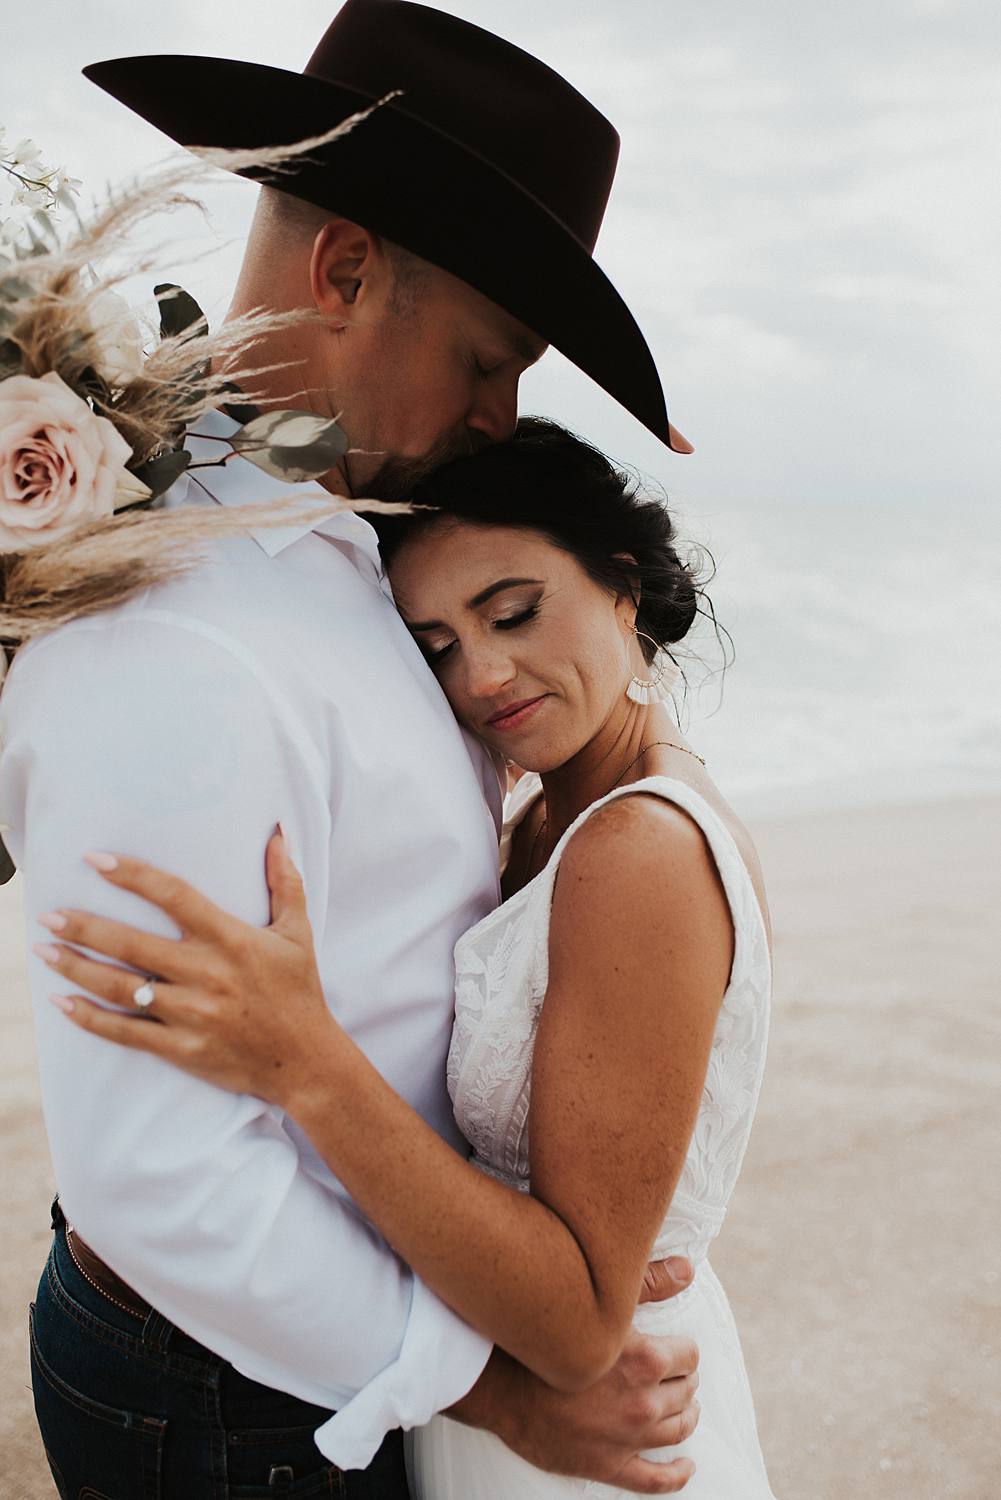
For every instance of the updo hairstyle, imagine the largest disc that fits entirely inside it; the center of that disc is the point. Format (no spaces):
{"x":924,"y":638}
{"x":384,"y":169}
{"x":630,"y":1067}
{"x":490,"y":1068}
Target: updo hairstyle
{"x":548,"y":480}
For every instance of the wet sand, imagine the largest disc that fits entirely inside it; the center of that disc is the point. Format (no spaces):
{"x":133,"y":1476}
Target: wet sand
{"x":862,"y":1253}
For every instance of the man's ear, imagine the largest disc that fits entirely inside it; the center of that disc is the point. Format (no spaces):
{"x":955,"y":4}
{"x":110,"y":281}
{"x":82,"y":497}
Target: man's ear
{"x":343,"y":259}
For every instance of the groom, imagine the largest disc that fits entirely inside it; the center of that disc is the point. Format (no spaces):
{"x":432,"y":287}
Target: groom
{"x":213,"y":1295}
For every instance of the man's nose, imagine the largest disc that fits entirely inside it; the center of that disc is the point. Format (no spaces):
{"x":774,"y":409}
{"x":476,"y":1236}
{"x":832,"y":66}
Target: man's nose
{"x":494,"y":411}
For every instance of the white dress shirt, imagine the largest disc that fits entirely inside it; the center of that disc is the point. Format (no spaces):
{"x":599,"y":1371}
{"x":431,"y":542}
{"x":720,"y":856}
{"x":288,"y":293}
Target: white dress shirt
{"x":275,"y":682}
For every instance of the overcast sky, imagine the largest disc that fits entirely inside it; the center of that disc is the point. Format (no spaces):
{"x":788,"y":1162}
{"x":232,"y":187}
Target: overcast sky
{"x":806,"y":218}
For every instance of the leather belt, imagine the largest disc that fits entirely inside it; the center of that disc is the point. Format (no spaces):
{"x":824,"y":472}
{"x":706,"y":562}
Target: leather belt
{"x":103,"y":1279}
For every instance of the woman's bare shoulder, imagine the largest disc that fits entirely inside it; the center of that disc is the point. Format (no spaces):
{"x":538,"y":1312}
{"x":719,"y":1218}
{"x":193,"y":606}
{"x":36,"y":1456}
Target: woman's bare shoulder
{"x":648,"y":845}
{"x":638,"y":897}
{"x":637,"y":848}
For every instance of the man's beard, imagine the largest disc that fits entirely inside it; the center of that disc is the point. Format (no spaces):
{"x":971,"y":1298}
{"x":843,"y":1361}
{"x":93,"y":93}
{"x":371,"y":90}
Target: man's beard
{"x":397,"y":478}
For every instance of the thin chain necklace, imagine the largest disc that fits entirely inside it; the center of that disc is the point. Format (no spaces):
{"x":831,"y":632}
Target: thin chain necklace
{"x":668,"y":744}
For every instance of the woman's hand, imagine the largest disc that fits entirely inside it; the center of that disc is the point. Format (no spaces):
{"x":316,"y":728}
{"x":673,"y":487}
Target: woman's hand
{"x":240,"y":1006}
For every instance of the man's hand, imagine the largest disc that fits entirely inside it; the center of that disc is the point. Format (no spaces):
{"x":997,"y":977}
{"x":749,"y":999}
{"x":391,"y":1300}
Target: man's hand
{"x":664,"y":1279}
{"x":647,"y":1400}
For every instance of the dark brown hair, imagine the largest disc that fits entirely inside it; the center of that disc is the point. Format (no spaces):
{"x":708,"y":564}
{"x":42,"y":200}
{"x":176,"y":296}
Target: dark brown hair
{"x":546,"y":479}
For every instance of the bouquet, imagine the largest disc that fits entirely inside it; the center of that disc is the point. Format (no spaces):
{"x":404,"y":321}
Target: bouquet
{"x":95,"y":407}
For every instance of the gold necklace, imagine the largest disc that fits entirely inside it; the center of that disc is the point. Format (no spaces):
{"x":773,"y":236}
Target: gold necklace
{"x":667,"y":744}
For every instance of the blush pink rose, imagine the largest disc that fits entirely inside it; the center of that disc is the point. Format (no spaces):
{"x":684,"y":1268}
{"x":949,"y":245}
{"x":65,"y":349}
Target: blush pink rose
{"x":60,"y":463}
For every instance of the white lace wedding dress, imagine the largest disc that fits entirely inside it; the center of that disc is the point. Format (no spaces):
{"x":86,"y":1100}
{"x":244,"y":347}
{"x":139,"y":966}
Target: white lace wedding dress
{"x":501,"y":976}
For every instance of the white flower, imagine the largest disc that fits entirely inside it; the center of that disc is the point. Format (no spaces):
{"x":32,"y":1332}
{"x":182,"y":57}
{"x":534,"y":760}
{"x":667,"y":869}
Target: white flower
{"x":28,"y":197}
{"x":60,"y":463}
{"x":26,"y":153}
{"x":65,"y":188}
{"x":118,"y":339}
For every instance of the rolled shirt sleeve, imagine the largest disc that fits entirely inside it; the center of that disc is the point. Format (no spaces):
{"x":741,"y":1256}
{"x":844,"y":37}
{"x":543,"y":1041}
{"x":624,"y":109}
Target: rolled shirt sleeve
{"x":155,"y":739}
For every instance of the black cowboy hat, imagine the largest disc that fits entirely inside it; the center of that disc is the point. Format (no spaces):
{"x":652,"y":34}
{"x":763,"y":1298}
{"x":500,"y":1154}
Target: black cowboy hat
{"x":488,"y":164}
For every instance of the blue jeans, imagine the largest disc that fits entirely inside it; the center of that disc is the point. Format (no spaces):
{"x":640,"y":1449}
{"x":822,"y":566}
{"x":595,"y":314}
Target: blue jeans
{"x":133,"y":1409}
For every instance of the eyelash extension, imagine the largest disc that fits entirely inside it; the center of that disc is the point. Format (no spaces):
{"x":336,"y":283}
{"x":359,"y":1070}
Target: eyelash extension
{"x":434,"y":657}
{"x":522,"y":619}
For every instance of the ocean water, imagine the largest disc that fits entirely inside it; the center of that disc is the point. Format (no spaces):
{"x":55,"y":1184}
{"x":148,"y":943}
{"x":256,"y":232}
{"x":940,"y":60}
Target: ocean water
{"x":868,"y":655}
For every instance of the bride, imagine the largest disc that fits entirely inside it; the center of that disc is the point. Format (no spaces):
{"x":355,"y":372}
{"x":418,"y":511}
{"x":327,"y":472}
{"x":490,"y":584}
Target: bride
{"x":611,"y":1014}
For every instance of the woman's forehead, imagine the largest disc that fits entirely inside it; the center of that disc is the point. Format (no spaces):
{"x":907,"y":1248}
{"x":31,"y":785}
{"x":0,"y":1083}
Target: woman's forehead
{"x":448,"y":563}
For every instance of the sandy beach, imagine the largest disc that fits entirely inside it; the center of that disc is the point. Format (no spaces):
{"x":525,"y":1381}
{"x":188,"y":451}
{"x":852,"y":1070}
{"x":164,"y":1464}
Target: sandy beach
{"x":862,"y":1250}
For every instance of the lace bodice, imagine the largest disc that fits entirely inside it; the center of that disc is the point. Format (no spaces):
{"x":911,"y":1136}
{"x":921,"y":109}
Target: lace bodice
{"x":501,"y":977}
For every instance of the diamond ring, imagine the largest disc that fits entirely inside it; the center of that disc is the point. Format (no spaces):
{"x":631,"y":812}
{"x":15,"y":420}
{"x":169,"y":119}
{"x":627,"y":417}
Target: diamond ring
{"x":144,"y":995}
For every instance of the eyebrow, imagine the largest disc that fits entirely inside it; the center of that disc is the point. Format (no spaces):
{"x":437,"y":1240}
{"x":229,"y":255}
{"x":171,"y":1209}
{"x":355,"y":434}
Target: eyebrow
{"x":483,"y":597}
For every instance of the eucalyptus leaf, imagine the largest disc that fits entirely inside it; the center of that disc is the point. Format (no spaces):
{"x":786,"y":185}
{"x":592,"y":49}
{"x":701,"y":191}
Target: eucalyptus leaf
{"x":8,"y":869}
{"x":291,"y":445}
{"x":179,"y":312}
{"x":287,"y":429}
{"x":292,"y":466}
{"x":160,"y":473}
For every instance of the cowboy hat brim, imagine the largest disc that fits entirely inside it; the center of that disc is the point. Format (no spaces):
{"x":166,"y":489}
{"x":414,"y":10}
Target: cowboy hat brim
{"x":419,"y":187}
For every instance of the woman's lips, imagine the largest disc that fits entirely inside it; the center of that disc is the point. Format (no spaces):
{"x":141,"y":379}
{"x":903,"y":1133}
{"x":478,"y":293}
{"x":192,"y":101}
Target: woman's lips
{"x":516,"y":714}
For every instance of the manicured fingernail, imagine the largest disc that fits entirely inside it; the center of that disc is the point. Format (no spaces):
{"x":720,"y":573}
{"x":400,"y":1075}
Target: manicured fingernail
{"x":47,"y":951}
{"x":63,"y":1003}
{"x":679,"y":1268}
{"x":53,"y":920}
{"x":281,"y":829}
{"x":103,"y":862}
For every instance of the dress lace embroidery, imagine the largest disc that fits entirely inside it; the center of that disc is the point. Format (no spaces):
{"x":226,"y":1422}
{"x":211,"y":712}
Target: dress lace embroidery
{"x":502,"y":972}
{"x":501,"y":977}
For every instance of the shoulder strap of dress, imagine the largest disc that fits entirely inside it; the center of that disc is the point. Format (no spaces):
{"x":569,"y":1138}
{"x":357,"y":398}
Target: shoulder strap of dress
{"x":737,"y":883}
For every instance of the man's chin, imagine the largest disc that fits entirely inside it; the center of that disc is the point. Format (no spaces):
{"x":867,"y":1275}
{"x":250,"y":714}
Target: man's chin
{"x":396,"y":477}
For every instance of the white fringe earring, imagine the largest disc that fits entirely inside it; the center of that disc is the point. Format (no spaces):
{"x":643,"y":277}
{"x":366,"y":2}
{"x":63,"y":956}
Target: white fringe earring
{"x":660,"y":685}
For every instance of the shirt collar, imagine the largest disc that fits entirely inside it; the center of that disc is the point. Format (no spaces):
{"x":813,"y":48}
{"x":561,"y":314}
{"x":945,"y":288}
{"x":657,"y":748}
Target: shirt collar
{"x":239,"y":482}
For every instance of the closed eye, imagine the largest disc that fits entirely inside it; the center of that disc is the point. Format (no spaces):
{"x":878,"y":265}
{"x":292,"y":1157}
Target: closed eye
{"x":434,"y":657}
{"x":514,"y":620}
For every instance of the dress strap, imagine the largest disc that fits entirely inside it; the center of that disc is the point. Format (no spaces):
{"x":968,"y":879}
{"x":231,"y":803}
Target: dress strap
{"x":750,"y":932}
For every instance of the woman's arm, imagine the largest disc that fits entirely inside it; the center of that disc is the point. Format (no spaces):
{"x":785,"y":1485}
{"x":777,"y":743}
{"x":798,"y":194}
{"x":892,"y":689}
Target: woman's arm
{"x":640,"y":952}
